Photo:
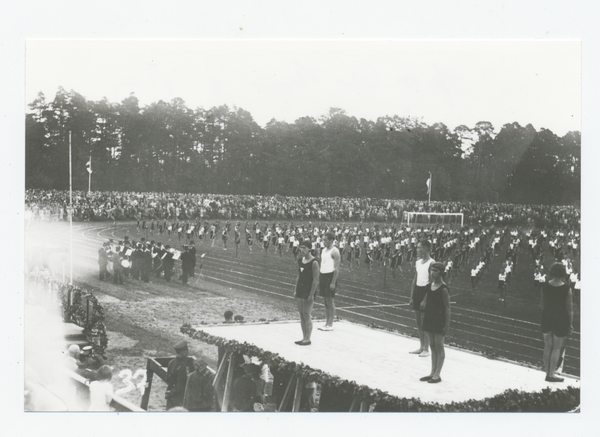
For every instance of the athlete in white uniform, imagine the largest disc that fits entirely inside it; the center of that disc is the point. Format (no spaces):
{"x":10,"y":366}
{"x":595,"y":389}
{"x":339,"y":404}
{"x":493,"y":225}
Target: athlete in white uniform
{"x":419,"y":286}
{"x":329,"y":270}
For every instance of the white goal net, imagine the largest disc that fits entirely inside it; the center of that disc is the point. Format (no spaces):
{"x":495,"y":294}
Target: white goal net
{"x":433,"y":218}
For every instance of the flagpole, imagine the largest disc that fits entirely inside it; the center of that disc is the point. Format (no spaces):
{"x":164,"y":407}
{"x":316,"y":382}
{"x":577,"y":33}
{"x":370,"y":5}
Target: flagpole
{"x":430,"y":184}
{"x":71,"y":213}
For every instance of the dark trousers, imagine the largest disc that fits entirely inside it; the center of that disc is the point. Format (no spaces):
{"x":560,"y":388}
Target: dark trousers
{"x":118,"y":278}
{"x":185,"y":274}
{"x":146,"y":275}
{"x":103,"y":273}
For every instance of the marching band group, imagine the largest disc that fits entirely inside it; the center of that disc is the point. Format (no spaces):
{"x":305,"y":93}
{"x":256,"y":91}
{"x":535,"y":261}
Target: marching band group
{"x":141,"y":259}
{"x":390,"y":246}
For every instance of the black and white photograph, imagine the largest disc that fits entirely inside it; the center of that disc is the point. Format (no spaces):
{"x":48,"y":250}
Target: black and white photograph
{"x":303,"y":223}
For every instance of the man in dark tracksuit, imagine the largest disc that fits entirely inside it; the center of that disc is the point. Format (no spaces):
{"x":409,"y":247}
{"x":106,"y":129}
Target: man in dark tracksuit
{"x":136,"y":261}
{"x":159,"y":264}
{"x":193,"y":254}
{"x":186,"y":265}
{"x":146,"y":264}
{"x":168,"y":263}
{"x":117,"y":268}
{"x":177,"y":372}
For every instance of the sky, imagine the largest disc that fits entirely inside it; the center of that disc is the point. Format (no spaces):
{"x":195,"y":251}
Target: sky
{"x":452,"y":82}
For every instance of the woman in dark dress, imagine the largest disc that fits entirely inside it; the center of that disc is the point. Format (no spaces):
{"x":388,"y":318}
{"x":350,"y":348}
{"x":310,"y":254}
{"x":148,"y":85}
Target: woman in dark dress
{"x":557,"y":317}
{"x":436,"y":319}
{"x":306,"y":287}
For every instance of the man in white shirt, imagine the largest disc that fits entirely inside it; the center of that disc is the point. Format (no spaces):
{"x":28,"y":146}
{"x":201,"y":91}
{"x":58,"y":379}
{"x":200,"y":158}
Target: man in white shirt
{"x":418,"y":291}
{"x":329,"y":270}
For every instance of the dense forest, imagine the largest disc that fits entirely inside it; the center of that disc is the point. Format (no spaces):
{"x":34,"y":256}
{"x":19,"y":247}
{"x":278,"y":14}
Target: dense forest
{"x":170,"y":147}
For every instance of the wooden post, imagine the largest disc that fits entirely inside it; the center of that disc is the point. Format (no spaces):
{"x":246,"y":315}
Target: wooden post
{"x":218,"y":377}
{"x":221,"y":368}
{"x":87,"y":310}
{"x":285,"y":394}
{"x":298,"y":393}
{"x":146,"y":396}
{"x":228,"y":384}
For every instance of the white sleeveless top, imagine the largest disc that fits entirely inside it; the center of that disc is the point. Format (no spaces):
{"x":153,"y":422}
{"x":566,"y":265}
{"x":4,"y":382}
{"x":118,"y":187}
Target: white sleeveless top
{"x":327,"y":265}
{"x":423,"y":272}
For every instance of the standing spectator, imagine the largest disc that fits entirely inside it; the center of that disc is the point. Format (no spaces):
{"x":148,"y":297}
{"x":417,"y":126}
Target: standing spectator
{"x":330,"y":266}
{"x":557,"y":318}
{"x":419,"y":288}
{"x":306,"y":287}
{"x":199,"y":391}
{"x":245,"y":391}
{"x":436,"y":319}
{"x":177,"y":372}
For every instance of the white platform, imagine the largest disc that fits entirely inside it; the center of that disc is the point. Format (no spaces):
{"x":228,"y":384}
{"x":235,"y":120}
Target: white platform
{"x":380,"y":359}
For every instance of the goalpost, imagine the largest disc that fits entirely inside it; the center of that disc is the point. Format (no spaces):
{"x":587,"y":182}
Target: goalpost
{"x":433,"y":218}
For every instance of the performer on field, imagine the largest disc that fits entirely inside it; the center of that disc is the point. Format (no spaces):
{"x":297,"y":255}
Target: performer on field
{"x":419,"y":287}
{"x":436,"y":319}
{"x":330,"y":267}
{"x":306,"y":287}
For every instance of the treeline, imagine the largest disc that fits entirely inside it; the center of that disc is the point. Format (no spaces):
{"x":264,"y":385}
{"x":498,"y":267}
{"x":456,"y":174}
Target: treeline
{"x":170,"y":147}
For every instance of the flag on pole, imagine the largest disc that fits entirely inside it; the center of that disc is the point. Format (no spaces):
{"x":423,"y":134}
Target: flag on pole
{"x":88,"y":165}
{"x":429,"y":185}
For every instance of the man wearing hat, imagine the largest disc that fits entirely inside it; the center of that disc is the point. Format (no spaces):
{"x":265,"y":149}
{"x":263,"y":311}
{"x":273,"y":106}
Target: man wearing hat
{"x":177,"y":372}
{"x":88,"y":363}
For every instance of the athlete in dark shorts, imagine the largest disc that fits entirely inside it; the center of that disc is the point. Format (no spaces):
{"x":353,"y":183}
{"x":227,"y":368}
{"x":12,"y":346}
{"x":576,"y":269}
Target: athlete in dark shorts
{"x":306,"y":287}
{"x":436,"y":319}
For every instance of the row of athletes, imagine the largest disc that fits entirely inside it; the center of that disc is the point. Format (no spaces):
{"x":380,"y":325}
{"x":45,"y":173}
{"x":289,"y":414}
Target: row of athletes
{"x":141,"y":259}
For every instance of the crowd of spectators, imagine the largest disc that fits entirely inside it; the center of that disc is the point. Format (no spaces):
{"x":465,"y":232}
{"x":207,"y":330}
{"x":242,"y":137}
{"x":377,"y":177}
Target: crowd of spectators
{"x":51,"y":205}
